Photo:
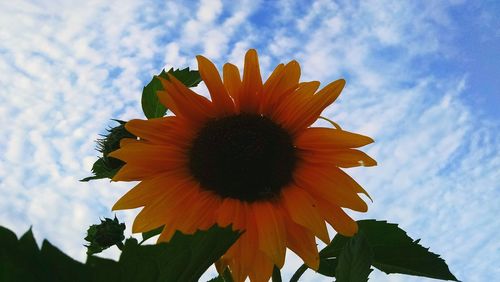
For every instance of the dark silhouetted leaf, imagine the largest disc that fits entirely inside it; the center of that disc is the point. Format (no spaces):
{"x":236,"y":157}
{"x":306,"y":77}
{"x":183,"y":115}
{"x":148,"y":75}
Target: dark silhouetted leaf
{"x":355,"y":260}
{"x":101,"y":269}
{"x":393,"y":251}
{"x":61,"y":266}
{"x":183,"y":258}
{"x":17,"y":258}
{"x":327,"y":267}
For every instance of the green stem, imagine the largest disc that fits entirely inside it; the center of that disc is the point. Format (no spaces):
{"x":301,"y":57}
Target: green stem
{"x":298,"y":273}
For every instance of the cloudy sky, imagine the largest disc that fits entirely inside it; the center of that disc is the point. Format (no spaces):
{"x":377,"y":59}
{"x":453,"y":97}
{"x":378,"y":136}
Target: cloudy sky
{"x":422,"y":79}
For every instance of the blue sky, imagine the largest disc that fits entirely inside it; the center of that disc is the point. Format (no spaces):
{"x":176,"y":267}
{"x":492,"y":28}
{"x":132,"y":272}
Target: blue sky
{"x":422,"y":79}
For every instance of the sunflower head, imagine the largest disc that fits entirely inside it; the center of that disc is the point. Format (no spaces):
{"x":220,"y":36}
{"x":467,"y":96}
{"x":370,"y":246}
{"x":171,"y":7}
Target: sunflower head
{"x":248,"y":156}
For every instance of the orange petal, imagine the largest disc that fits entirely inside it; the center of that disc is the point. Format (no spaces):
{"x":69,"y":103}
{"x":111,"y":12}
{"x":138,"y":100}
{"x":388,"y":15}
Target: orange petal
{"x":340,"y":157}
{"x":251,"y":85}
{"x":165,"y":130}
{"x":318,"y":182}
{"x":273,"y":80}
{"x":233,"y":212}
{"x":167,"y":101}
{"x":232,"y":81}
{"x":199,"y":216}
{"x":286,"y":83}
{"x":248,"y":250}
{"x":157,"y":213}
{"x":347,"y":181}
{"x":238,"y":273}
{"x":220,"y":98}
{"x":165,"y":235}
{"x":289,"y":111}
{"x":200,"y":102}
{"x":221,"y":264}
{"x":338,"y":176}
{"x":149,"y":190}
{"x":184,"y":102}
{"x":165,"y":210}
{"x":302,"y":242}
{"x":133,"y":173}
{"x":262,"y":268}
{"x":302,"y":209}
{"x":329,"y":138}
{"x":271,"y":231}
{"x":270,"y":85}
{"x":242,"y":253}
{"x":337,"y":218}
{"x":311,"y":111}
{"x":126,"y":141}
{"x":151,"y":156}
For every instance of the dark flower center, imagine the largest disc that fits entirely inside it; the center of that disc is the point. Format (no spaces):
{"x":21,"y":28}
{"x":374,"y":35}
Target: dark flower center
{"x":246,"y":157}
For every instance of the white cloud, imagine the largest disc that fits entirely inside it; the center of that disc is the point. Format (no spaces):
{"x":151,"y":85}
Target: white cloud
{"x":67,"y":69}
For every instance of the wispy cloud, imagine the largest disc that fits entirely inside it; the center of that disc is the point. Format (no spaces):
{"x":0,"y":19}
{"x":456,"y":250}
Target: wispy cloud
{"x":67,"y":68}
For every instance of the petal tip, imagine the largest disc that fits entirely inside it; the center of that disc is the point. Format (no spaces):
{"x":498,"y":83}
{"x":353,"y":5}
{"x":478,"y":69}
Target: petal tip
{"x":118,"y":206}
{"x":201,"y":59}
{"x":251,"y":53}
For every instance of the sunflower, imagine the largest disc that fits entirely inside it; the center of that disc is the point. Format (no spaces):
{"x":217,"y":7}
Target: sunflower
{"x":247,"y":157}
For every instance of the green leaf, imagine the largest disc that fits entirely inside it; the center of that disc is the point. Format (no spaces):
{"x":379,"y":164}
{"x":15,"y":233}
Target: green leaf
{"x":150,"y":102}
{"x":355,"y":260}
{"x":393,"y":251}
{"x":328,"y":255}
{"x":190,"y":78}
{"x":151,"y":105}
{"x":183,"y":258}
{"x":335,"y":247}
{"x":152,"y":233}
